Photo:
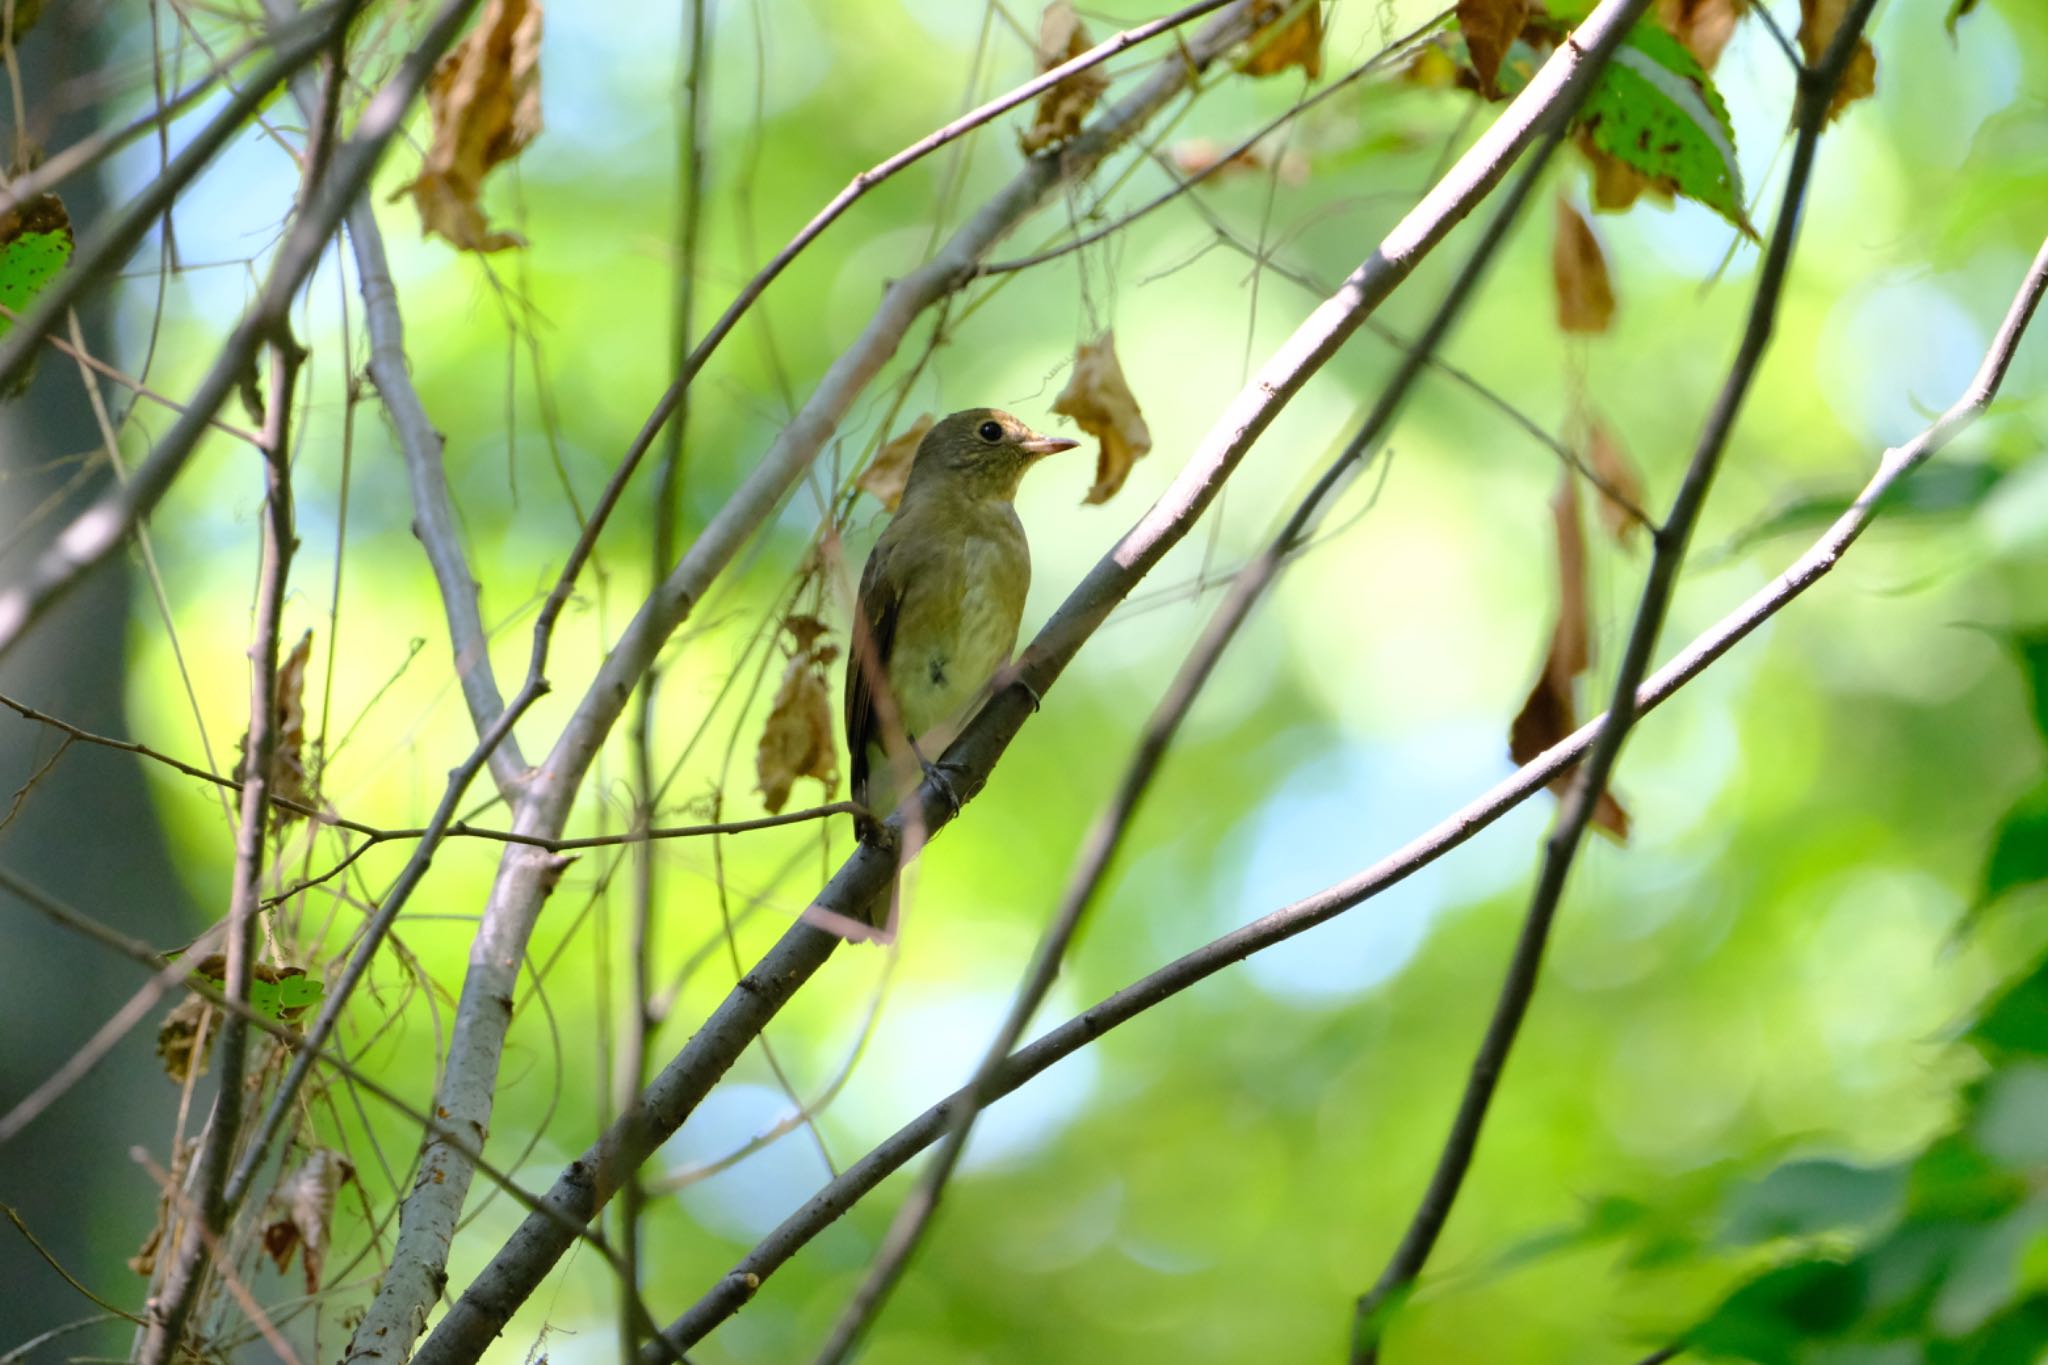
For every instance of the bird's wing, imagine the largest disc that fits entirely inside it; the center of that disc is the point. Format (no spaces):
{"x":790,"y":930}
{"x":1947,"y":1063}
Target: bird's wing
{"x":881,"y":600}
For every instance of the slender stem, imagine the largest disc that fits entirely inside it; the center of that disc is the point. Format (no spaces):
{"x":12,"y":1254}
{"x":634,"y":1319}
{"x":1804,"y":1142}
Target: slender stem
{"x":203,"y":1226}
{"x":1433,"y":1209}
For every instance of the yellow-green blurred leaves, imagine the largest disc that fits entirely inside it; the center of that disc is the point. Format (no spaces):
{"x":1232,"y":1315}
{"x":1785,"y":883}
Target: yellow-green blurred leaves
{"x":485,"y":100}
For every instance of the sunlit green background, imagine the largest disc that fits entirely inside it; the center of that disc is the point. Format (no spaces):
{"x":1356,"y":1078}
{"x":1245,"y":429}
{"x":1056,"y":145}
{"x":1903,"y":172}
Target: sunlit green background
{"x":1769,"y":969}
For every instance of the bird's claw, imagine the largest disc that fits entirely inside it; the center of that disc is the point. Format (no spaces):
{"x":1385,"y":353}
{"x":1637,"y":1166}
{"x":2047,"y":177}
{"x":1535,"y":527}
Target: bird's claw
{"x":939,"y":775}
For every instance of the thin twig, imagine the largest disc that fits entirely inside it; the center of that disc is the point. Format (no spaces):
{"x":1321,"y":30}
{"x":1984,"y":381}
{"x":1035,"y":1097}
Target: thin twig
{"x":1433,"y":1209}
{"x":893,"y":1153}
{"x":211,"y":1211}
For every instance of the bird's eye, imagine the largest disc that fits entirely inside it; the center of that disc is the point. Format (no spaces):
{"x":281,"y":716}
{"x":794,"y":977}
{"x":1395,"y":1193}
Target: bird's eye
{"x":991,"y":432}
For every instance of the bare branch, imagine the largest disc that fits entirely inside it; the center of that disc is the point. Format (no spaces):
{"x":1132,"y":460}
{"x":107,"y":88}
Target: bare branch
{"x":837,"y":1198}
{"x":590,"y":1181}
{"x":211,"y":1211}
{"x":1816,"y":89}
{"x":101,"y":528}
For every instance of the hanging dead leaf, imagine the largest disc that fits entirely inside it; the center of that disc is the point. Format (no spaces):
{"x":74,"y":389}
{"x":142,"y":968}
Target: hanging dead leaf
{"x":1610,"y":463}
{"x":1578,"y":270}
{"x":1290,"y":35}
{"x":1204,"y":156}
{"x":184,"y":1038}
{"x":1818,"y":20}
{"x":1061,"y":38}
{"x":289,"y":778}
{"x":886,"y":474}
{"x":1101,"y":404}
{"x":1704,"y":26}
{"x":1616,"y":184}
{"x":797,"y":741}
{"x":304,"y":1208}
{"x":1549,"y":714}
{"x":1490,"y":28}
{"x":484,"y":97}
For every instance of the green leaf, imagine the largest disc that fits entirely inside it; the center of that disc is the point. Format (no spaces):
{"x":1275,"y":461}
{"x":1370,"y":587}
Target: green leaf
{"x":2017,"y":1021}
{"x":1942,"y":488}
{"x":35,"y":243}
{"x":277,"y":995}
{"x":1806,"y":1198}
{"x":2019,"y":850}
{"x":1770,"y":1319}
{"x":1655,"y":110}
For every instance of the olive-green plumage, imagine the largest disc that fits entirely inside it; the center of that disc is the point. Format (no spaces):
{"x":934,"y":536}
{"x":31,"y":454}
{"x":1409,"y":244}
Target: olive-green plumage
{"x":941,"y":596}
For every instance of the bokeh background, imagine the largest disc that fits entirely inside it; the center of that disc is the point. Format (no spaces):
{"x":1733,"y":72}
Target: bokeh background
{"x":1770,"y":969}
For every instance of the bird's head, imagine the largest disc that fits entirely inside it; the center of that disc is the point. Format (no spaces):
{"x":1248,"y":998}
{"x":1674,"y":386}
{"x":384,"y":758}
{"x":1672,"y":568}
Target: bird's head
{"x":981,"y":453}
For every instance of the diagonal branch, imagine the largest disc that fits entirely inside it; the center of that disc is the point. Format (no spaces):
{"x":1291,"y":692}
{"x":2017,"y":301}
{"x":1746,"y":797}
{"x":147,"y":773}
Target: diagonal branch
{"x":483,"y":1013}
{"x":1106,"y":836}
{"x":589,"y":1182}
{"x":1815,"y":91}
{"x":102,"y":527}
{"x":837,"y":1198}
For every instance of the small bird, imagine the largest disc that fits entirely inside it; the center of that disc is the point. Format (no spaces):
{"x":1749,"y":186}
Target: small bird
{"x":940,"y":600}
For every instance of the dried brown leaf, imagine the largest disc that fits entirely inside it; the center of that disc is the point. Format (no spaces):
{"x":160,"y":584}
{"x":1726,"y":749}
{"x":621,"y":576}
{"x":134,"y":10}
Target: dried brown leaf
{"x":1818,"y":20}
{"x":304,"y":1205}
{"x":1101,"y":404}
{"x":1549,"y":714}
{"x":797,"y":741}
{"x":1490,"y":28}
{"x":178,"y":1043}
{"x":1610,"y":461}
{"x":1704,"y":26}
{"x":886,"y":474}
{"x":1616,"y":184}
{"x":1578,"y":271}
{"x":1061,"y":38}
{"x":289,"y":777}
{"x":484,"y":97}
{"x":1200,"y":155}
{"x":1298,"y":43}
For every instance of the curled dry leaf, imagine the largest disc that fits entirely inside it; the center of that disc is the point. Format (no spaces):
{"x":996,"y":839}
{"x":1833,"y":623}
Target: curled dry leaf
{"x":1818,"y":20}
{"x":1578,"y":270}
{"x":1490,"y":28}
{"x":485,"y":100}
{"x":886,"y":474}
{"x":1200,"y":155}
{"x":179,"y":1045}
{"x":1291,"y":34}
{"x":797,"y":740}
{"x":1061,"y":38}
{"x":1101,"y":404}
{"x":1704,"y":26}
{"x":1549,"y":713}
{"x":304,"y":1209}
{"x":1610,"y":463}
{"x":290,"y":778}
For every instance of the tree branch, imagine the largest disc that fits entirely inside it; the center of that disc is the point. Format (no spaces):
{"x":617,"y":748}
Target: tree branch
{"x":838,"y":1197}
{"x":1816,"y":89}
{"x":211,"y":1211}
{"x":483,"y":1013}
{"x":589,"y":1182}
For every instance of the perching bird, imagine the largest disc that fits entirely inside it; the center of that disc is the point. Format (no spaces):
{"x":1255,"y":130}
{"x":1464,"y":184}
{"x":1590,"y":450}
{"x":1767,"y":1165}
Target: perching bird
{"x":940,"y":599}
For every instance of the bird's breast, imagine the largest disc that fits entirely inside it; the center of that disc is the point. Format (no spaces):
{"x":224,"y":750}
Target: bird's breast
{"x":959,"y":629}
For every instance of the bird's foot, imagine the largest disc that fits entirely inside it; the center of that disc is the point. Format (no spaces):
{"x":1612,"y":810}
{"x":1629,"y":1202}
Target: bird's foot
{"x":1012,"y":675}
{"x":940,"y":775}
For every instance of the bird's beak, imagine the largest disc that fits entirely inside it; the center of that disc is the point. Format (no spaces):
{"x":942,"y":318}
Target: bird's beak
{"x":1046,"y":445}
